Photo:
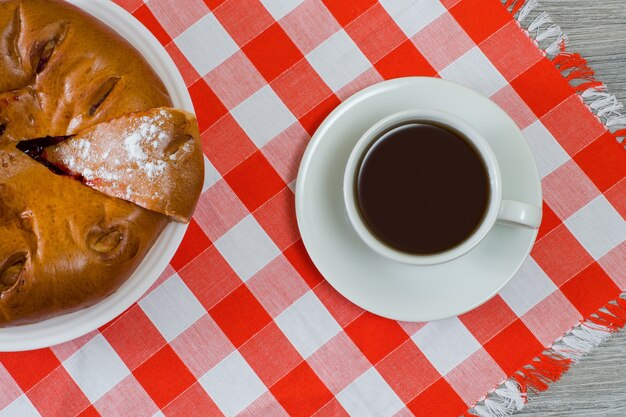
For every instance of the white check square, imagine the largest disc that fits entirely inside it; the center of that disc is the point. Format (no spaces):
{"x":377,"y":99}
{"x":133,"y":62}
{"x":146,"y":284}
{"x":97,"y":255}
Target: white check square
{"x":263,"y":116}
{"x":172,"y":307}
{"x":216,"y":44}
{"x":475,"y":71}
{"x":413,"y":15}
{"x":22,"y":407}
{"x":280,"y":8}
{"x":548,"y":154}
{"x":527,"y":288}
{"x":232,"y":384}
{"x":307,"y":324}
{"x":338,"y":60}
{"x":370,"y":395}
{"x":247,"y":248}
{"x":446,"y":343}
{"x":96,"y":377}
{"x":598,"y":227}
{"x":211,"y":175}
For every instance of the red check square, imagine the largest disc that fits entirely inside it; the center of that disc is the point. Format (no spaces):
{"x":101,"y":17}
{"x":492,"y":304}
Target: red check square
{"x":549,"y":221}
{"x":243,"y":19}
{"x":116,"y":401}
{"x":192,"y":402}
{"x":407,"y":371}
{"x":134,"y":337}
{"x":255,"y":181}
{"x":513,"y":347}
{"x":511,"y":62}
{"x":213,"y":4}
{"x":272,"y":52}
{"x":210,"y":278}
{"x":375,"y":33}
{"x":219,"y":209}
{"x":346,"y":11}
{"x":367,"y":333}
{"x":145,"y":16}
{"x":277,"y":286}
{"x":270,"y":354}
{"x":617,"y":197}
{"x":30,"y":367}
{"x":240,"y":315}
{"x":309,"y":24}
{"x":551,"y":318}
{"x":285,"y":151}
{"x":234,"y":80}
{"x":573,"y":125}
{"x":202,"y":346}
{"x":10,"y":390}
{"x":57,"y":394}
{"x":226,"y":144}
{"x":311,"y":121}
{"x":443,"y":41}
{"x":404,"y":61}
{"x":429,"y":403}
{"x":338,"y":306}
{"x":189,"y":73}
{"x":89,"y":412}
{"x":288,"y":391}
{"x":301,"y":88}
{"x":515,"y":107}
{"x":487,"y":320}
{"x":164,"y":376}
{"x":176,"y":19}
{"x":338,"y":362}
{"x":333,"y":408}
{"x":611,"y":170}
{"x":560,"y":255}
{"x":483,"y":370}
{"x":613,"y":264}
{"x":278,"y":218}
{"x":194,"y":243}
{"x":492,"y":18}
{"x":541,"y":87}
{"x":129,"y":5}
{"x":209,"y":108}
{"x":591,"y":289}
{"x":299,"y":258}
{"x":567,"y":189}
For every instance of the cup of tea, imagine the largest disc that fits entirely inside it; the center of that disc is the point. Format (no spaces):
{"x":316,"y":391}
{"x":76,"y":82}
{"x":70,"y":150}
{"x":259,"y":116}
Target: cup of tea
{"x":423,"y":187}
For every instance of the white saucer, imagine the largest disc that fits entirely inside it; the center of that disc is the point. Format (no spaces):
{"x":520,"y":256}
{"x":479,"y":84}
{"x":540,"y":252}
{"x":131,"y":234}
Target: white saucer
{"x":390,"y":289}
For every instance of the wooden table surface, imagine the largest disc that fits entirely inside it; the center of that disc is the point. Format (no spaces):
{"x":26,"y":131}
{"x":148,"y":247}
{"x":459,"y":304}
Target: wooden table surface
{"x":597,"y":385}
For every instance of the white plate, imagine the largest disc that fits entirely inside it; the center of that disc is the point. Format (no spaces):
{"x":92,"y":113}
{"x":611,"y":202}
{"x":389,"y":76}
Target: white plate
{"x":70,"y":326}
{"x":384,"y":287}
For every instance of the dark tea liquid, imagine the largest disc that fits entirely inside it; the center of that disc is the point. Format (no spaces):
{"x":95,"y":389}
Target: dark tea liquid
{"x":422,"y":188}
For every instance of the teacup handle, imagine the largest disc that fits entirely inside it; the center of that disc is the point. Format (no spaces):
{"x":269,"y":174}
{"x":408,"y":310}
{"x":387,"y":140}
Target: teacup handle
{"x":515,"y":213}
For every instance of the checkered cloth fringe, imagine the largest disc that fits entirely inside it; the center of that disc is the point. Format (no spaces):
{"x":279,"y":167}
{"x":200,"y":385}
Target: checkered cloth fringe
{"x":241,"y":322}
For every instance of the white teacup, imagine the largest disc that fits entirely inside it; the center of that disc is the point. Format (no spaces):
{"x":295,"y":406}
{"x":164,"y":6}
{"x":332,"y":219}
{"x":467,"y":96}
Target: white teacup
{"x":512,"y":213}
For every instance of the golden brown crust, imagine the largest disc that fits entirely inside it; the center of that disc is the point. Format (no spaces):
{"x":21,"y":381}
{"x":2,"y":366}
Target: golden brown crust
{"x":64,"y":246}
{"x":151,"y":158}
{"x":66,"y":71}
{"x":76,"y":244}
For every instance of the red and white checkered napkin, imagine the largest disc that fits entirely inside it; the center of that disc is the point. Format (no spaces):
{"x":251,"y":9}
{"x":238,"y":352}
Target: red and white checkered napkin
{"x":241,"y":322}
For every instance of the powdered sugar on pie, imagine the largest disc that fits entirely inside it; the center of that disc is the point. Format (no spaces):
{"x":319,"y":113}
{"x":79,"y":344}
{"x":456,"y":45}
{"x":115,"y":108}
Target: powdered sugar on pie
{"x":157,"y":161}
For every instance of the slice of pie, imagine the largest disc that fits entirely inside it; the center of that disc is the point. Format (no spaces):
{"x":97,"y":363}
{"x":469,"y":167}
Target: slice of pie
{"x":151,"y":158}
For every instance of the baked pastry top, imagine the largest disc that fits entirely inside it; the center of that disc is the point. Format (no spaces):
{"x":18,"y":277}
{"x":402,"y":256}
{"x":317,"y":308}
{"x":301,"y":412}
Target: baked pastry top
{"x":157,"y":166}
{"x":64,"y":245}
